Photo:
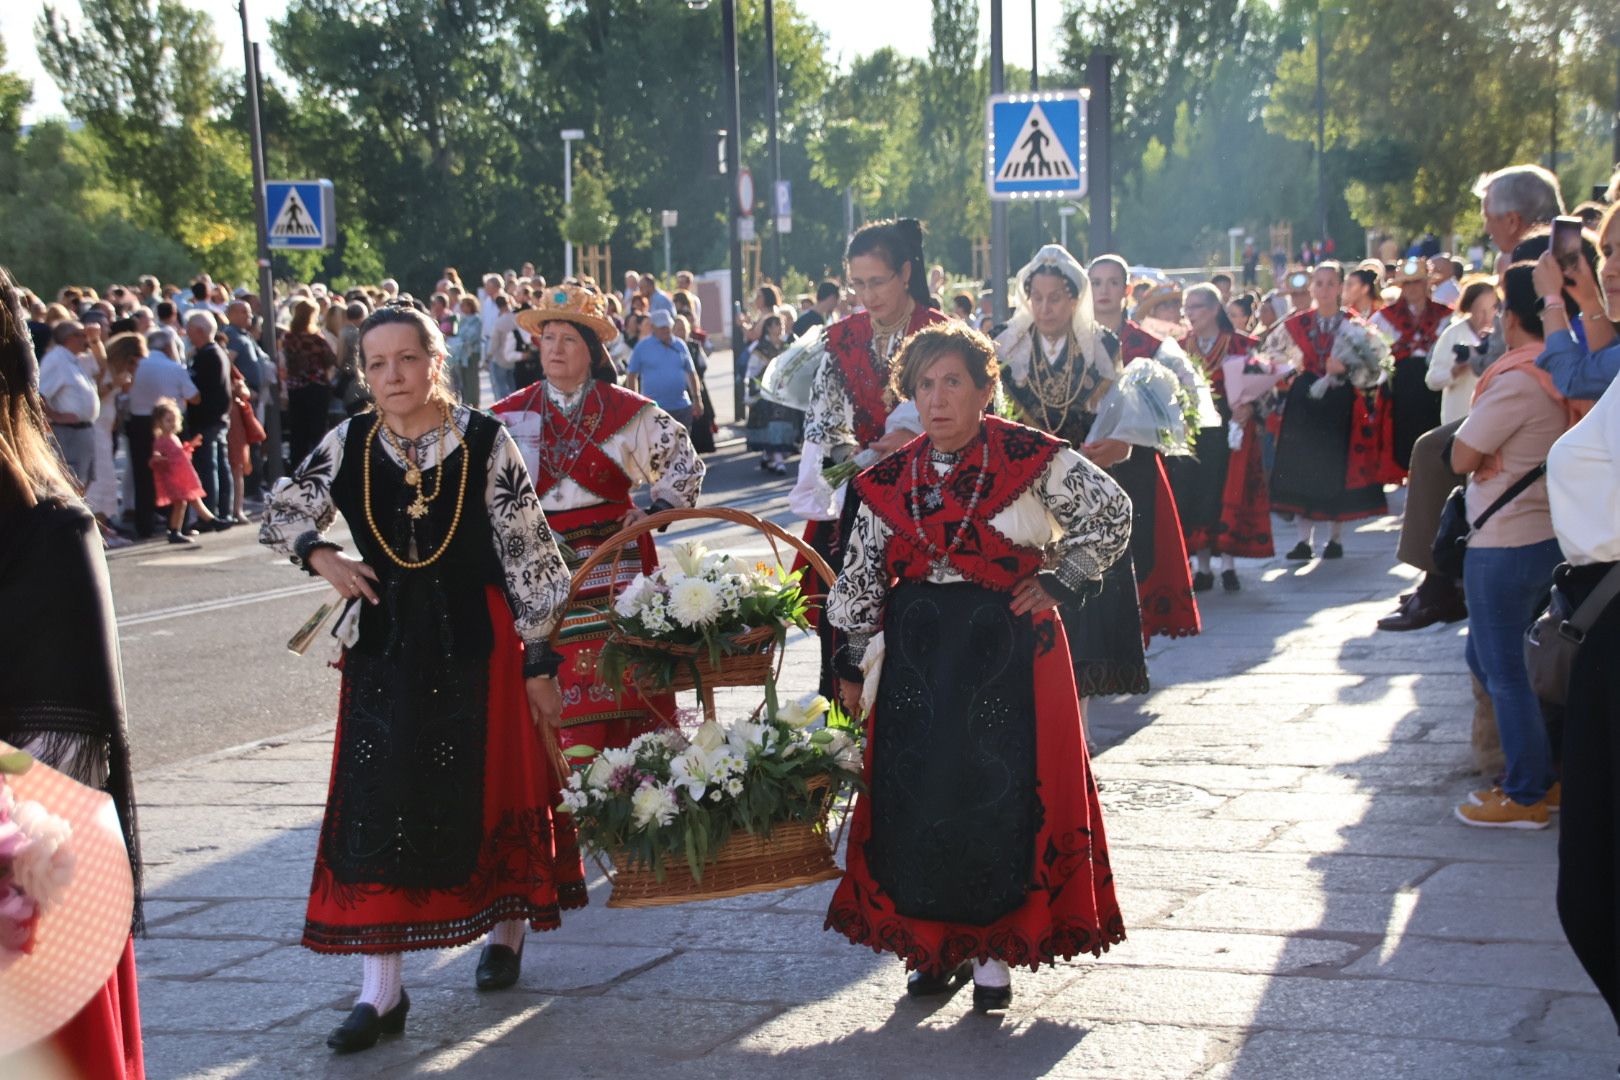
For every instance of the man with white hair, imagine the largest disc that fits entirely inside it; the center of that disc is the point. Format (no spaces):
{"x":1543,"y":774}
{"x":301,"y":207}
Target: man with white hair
{"x":209,"y":417}
{"x":1515,"y":200}
{"x":71,"y":400}
{"x":390,"y":287}
{"x":632,"y":285}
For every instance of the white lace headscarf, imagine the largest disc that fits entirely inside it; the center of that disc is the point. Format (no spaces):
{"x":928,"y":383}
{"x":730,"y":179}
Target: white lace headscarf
{"x":1016,"y":343}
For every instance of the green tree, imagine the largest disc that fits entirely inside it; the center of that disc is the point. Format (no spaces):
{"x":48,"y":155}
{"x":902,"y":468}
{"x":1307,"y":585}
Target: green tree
{"x":590,"y":219}
{"x":142,"y":75}
{"x":948,"y":191}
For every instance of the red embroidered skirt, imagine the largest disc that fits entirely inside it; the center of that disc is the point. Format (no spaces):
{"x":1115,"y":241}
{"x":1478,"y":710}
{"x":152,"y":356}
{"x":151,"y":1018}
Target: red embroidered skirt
{"x":1070,"y":907}
{"x":103,"y":1041}
{"x":528,"y":864}
{"x":1245,"y":529}
{"x":1163,"y":578}
{"x":595,"y":714}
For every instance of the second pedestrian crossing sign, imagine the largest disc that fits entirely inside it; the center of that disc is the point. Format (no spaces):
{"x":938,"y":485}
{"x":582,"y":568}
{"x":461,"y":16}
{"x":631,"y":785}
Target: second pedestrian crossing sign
{"x":301,"y":213}
{"x":1036,"y":145}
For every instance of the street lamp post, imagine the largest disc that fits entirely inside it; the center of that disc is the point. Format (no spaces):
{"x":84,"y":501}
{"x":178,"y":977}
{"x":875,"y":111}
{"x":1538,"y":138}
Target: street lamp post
{"x":1321,"y":134}
{"x":998,"y":209}
{"x":569,"y":137}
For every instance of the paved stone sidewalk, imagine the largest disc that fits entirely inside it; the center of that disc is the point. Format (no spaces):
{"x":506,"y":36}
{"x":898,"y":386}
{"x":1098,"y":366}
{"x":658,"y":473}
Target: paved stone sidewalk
{"x":1299,"y":900}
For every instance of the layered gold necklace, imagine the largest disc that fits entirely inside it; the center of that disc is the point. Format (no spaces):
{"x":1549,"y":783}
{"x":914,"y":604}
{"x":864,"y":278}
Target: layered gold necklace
{"x":1056,"y":391}
{"x":418,"y":506}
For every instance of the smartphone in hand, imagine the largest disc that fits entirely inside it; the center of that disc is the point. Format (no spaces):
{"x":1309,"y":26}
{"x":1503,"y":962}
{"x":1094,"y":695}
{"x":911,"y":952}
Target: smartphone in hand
{"x":1566,"y":241}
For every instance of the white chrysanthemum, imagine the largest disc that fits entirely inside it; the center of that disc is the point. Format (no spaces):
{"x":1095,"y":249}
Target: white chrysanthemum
{"x":574,"y":801}
{"x":694,"y":602}
{"x":734,"y":787}
{"x":630,"y":602}
{"x":43,"y":868}
{"x":652,"y":803}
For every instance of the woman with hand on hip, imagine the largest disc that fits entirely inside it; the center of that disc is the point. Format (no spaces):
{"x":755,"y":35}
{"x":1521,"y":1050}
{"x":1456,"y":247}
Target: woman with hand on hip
{"x":440,"y":823}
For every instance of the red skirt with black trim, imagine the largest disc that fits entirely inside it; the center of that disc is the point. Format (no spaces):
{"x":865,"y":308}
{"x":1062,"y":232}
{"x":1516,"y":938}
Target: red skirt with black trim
{"x":528,"y":865}
{"x":1163,"y":578}
{"x":1245,"y":530}
{"x":596,"y":714}
{"x":1071,"y":907}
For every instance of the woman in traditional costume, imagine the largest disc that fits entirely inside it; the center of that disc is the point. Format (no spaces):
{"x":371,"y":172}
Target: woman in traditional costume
{"x":1333,"y":446}
{"x":589,"y":444}
{"x":61,"y":687}
{"x":439,"y":824}
{"x":979,"y":843}
{"x":848,"y":410}
{"x":1058,"y":369}
{"x":1143,"y":420}
{"x":1221,"y":489}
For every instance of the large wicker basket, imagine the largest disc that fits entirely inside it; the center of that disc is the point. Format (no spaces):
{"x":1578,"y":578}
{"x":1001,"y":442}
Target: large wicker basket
{"x":796,"y":853}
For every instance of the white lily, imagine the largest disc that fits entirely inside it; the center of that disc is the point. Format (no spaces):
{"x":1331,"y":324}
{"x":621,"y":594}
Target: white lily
{"x":803,"y":712}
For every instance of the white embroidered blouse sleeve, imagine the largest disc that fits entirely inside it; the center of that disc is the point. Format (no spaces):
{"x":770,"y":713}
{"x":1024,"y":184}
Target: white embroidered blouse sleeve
{"x":855,"y":604}
{"x":1094,"y":514}
{"x":660,"y":454}
{"x":300,"y":509}
{"x":535,"y":574}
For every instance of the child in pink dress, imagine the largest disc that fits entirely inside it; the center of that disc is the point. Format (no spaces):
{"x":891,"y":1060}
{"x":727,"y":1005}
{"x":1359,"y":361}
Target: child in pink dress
{"x":176,"y":481}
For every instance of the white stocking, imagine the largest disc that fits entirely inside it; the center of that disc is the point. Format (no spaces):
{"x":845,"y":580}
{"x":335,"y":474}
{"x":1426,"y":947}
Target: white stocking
{"x":1304,"y":526}
{"x":1229,"y":563}
{"x":1338,"y":530}
{"x":379,"y":987}
{"x":1203,"y":561}
{"x":991,"y":973}
{"x":508,"y":933}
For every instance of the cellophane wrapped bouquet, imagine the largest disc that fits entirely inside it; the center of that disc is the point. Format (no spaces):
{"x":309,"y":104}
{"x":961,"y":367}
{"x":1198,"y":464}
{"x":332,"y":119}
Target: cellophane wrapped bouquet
{"x":36,"y":862}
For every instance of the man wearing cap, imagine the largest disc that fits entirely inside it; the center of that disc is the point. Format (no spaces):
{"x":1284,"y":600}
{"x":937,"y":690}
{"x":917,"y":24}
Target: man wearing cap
{"x":71,"y":401}
{"x":662,"y":369}
{"x":1411,"y":325}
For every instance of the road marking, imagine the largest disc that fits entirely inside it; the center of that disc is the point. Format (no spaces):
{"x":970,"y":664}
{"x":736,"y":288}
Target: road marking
{"x":188,"y":560}
{"x":221,"y":604}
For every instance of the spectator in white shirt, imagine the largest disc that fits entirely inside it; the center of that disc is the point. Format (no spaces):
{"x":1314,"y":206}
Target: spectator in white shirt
{"x":1459,"y":352}
{"x":72,"y":402}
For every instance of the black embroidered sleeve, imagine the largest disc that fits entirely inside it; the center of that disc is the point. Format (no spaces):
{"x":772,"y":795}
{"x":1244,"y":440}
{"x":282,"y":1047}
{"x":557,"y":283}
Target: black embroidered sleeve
{"x":1094,"y":514}
{"x":855,"y":604}
{"x":300,"y":509}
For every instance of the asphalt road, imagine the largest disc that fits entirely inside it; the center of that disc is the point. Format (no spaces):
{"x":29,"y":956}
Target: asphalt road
{"x":204,"y":628}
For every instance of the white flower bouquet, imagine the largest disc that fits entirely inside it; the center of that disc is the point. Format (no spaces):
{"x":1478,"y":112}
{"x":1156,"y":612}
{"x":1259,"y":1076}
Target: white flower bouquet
{"x":674,"y":795}
{"x":703,"y":607}
{"x":1365,"y":355}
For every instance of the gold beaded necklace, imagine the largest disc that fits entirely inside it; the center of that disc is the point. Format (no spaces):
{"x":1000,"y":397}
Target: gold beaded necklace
{"x":413,"y":472}
{"x":455,"y":518}
{"x":1056,"y":393}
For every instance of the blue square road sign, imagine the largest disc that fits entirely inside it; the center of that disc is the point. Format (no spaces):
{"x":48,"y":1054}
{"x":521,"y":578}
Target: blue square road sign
{"x":1035,"y":145}
{"x":301,"y":214}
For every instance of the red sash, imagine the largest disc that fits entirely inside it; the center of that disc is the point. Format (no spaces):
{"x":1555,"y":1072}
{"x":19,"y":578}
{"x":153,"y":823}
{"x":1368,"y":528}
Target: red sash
{"x":605,"y":414}
{"x":1018,"y":457}
{"x":1414,"y":332}
{"x":850,"y":341}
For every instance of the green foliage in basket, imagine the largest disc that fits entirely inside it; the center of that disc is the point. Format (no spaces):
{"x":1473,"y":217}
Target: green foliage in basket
{"x":672,"y":795}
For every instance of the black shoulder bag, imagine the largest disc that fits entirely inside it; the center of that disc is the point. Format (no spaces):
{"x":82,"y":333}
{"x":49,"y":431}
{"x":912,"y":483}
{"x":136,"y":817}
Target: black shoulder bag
{"x":1451,"y":541}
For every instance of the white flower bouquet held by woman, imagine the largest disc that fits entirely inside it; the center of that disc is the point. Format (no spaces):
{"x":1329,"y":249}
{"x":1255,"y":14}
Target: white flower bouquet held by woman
{"x":703,"y":606}
{"x":1365,"y":356}
{"x":674,"y":795}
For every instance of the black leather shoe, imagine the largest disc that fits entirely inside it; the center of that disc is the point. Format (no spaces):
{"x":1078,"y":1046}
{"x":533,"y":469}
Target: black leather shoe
{"x":1334,"y":550}
{"x":1203,"y":581}
{"x":926,"y":984}
{"x":498,"y":967}
{"x":1229,"y":581}
{"x":360,"y":1030}
{"x":991,"y":998}
{"x":1300,"y":552}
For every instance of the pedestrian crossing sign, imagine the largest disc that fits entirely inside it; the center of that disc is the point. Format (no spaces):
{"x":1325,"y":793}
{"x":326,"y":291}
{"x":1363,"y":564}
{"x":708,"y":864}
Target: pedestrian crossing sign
{"x":300,"y":213}
{"x":1036,"y":145}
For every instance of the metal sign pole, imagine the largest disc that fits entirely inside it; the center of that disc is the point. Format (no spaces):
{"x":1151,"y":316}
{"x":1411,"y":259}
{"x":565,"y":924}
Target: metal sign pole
{"x":267,"y":281}
{"x":998,"y":210}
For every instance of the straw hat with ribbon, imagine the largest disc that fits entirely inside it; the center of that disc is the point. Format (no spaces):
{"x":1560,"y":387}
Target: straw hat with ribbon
{"x":569,"y":303}
{"x":1155,"y":296}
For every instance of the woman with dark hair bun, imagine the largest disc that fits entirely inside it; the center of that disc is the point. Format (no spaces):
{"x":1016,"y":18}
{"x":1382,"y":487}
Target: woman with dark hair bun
{"x":589,"y":444}
{"x":847,"y":412}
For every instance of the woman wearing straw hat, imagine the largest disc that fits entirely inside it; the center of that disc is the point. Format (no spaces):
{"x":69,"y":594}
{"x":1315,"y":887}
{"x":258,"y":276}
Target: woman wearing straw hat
{"x":440,"y":824}
{"x":589,"y":445}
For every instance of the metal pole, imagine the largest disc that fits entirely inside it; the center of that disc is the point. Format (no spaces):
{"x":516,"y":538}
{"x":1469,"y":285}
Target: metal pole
{"x":668,"y":273}
{"x":1063,"y":230}
{"x":998,"y":209}
{"x":1035,"y":84}
{"x":770,"y":119}
{"x":1321,"y":134}
{"x":568,"y":202}
{"x":267,"y":280}
{"x":1100,"y":135}
{"x":733,"y":109}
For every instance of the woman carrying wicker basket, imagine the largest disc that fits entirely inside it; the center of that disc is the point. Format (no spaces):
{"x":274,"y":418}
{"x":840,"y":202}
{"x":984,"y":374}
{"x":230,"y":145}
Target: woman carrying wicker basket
{"x":589,"y":444}
{"x":440,"y":823}
{"x":979,"y":844}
